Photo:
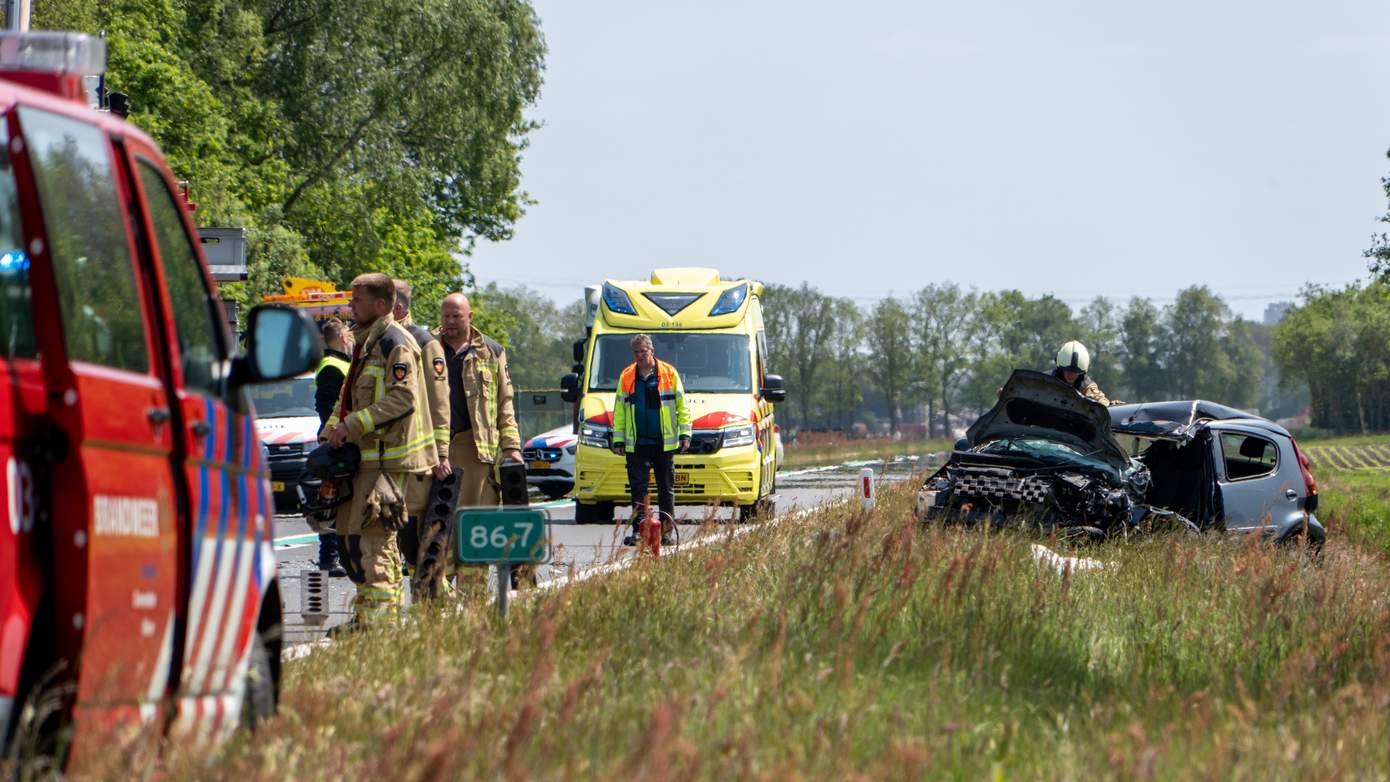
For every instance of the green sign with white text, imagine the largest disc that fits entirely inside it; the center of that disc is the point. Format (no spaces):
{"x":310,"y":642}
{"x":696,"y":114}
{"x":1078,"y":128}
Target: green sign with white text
{"x":502,"y":536}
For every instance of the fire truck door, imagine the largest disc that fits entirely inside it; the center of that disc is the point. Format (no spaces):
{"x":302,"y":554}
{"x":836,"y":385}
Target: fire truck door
{"x":227,"y":537}
{"x":113,"y":500}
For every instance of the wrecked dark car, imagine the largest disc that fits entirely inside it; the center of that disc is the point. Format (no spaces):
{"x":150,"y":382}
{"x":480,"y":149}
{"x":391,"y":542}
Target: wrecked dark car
{"x":1047,"y":458}
{"x":1223,"y":468}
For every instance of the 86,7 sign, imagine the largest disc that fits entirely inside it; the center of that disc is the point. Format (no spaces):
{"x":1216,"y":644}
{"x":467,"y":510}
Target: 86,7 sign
{"x":502,"y":536}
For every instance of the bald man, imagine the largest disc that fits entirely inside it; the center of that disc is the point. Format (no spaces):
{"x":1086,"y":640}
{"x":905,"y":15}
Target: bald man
{"x":482,"y":419}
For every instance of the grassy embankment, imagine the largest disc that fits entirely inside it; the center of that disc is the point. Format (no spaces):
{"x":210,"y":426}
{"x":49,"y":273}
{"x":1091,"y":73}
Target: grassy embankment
{"x":854,"y":450}
{"x":844,"y":643}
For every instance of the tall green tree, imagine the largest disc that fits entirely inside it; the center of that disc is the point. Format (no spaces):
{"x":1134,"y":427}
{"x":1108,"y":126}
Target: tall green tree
{"x":1099,"y":330}
{"x":1142,"y":340}
{"x":344,"y":138}
{"x":843,"y":390}
{"x":1338,"y":343}
{"x":800,"y":324}
{"x":946,"y":325}
{"x":890,"y":362}
{"x":1196,"y":359}
{"x":1379,"y":251}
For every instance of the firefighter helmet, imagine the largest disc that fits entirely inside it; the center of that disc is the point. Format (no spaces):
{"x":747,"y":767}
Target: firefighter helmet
{"x":331,"y":465}
{"x":1074,"y":356}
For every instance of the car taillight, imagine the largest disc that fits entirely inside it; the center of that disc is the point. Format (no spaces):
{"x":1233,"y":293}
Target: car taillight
{"x":1303,"y":467}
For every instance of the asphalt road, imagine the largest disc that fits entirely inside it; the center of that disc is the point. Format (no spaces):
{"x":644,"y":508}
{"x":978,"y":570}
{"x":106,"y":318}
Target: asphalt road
{"x":574,"y":546}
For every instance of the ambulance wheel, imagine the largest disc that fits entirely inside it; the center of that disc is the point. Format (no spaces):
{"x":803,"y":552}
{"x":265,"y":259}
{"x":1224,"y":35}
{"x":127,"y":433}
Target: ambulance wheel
{"x":258,"y":702}
{"x":593,"y":513}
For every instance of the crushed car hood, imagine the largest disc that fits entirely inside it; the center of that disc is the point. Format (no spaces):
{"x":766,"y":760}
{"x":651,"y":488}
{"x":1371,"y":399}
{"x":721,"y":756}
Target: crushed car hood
{"x":1035,"y":404}
{"x":1179,"y":420}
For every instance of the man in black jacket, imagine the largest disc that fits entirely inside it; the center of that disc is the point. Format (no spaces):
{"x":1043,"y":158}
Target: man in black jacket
{"x":332,"y":371}
{"x":328,"y":389}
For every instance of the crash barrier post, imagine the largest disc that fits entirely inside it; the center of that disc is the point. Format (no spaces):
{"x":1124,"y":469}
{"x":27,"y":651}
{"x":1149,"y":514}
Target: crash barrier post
{"x":313,"y":596}
{"x":504,"y":537}
{"x":650,"y":528}
{"x":866,"y":487}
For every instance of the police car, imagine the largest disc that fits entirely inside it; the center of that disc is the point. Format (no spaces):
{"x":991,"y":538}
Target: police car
{"x":288,"y":425}
{"x":136,"y":568}
{"x":549,"y":460}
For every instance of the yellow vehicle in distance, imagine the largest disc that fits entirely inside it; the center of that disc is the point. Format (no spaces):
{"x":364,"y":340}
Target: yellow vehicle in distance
{"x":711,"y":331}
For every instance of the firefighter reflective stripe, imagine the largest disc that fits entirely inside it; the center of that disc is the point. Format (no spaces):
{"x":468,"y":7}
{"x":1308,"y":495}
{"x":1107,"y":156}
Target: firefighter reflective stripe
{"x":364,"y":416}
{"x":332,"y":361}
{"x":398,"y":451}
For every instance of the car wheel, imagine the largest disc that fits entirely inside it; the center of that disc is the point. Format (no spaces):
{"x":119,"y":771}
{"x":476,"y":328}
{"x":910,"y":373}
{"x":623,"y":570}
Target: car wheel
{"x":1294,"y":539}
{"x":258,"y":702}
{"x":554,"y":492}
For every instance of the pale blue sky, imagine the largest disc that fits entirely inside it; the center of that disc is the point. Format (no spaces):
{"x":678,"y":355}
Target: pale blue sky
{"x":1071,"y":147}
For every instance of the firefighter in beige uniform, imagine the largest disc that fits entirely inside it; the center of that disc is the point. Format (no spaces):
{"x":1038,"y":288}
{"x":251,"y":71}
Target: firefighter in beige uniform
{"x":435,"y":377}
{"x":482,"y":417}
{"x":383,"y":412}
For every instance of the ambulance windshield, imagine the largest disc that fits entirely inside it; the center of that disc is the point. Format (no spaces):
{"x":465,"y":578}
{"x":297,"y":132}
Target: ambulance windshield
{"x":707,"y":363}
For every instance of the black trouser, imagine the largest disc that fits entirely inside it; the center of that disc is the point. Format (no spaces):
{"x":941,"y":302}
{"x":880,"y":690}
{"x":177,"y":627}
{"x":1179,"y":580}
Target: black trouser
{"x":654,"y":458}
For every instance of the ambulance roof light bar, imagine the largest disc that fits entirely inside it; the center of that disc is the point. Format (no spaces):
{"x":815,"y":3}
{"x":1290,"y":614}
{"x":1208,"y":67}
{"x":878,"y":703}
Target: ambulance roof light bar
{"x":56,"y":62}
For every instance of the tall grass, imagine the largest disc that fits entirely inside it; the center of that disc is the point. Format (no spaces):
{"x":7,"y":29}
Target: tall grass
{"x":846,"y":643}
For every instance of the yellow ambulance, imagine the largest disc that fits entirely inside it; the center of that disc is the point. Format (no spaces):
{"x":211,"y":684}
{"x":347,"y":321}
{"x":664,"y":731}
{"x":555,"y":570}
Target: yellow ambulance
{"x":711,"y":330}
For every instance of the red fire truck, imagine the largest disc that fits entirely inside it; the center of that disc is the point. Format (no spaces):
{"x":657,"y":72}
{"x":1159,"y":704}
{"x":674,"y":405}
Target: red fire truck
{"x":137,"y":577}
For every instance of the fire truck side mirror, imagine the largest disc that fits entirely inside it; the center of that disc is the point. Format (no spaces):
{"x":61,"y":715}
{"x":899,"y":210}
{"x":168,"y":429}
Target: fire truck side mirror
{"x":569,"y":388}
{"x":281,"y":342}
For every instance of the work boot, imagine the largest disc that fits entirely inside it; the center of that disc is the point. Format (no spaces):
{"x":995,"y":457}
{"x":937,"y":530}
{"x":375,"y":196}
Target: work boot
{"x":328,"y":556}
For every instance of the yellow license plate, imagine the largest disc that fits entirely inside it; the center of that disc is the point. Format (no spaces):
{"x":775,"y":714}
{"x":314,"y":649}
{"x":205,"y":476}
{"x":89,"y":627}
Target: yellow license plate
{"x":682,"y":479}
{"x":277,"y":485}
{"x":539,"y":465}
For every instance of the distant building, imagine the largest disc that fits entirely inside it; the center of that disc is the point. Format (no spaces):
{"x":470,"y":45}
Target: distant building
{"x":1276,"y":311}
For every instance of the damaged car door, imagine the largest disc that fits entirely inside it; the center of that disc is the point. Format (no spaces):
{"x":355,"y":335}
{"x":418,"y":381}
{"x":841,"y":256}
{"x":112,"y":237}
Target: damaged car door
{"x":1262,"y":486}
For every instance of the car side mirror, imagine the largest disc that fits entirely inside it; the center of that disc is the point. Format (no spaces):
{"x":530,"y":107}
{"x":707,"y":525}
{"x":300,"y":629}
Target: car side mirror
{"x":569,"y":388}
{"x":774,"y":388}
{"x":281,"y":342}
{"x":579,"y":351}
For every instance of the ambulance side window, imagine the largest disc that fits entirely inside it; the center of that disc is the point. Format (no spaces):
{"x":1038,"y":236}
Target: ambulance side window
{"x":98,"y":296}
{"x":16,"y":315}
{"x":194,"y":321}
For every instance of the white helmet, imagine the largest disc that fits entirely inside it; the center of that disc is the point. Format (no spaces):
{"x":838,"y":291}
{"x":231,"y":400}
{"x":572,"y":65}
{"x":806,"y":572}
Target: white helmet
{"x":1074,"y":356}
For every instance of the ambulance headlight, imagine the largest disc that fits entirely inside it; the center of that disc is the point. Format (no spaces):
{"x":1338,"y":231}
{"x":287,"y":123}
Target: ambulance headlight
{"x":596,"y":436}
{"x":730,"y":301}
{"x":617,"y":300}
{"x":738,"y":435}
